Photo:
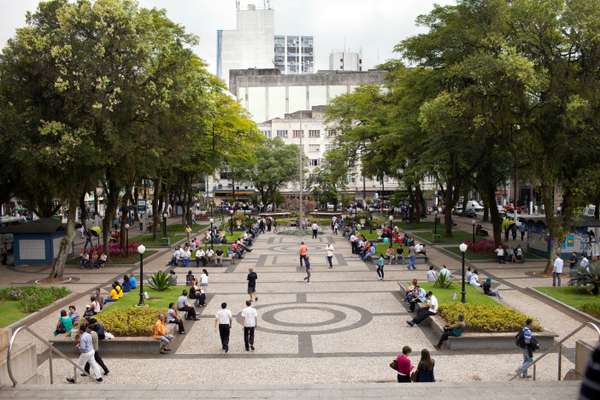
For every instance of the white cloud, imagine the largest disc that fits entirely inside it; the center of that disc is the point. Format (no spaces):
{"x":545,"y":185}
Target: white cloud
{"x":373,"y":26}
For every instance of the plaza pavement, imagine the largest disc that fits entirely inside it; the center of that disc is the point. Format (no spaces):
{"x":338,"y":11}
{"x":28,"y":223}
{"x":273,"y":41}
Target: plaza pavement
{"x":345,"y":327}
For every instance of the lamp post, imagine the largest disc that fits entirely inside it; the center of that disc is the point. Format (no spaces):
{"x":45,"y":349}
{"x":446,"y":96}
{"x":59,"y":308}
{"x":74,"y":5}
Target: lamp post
{"x":463,"y":249}
{"x":211,"y":232}
{"x":127,"y":240}
{"x":391,"y":218}
{"x":141,"y":249}
{"x":165,"y":215}
{"x":231,"y":222}
{"x":473,"y":222}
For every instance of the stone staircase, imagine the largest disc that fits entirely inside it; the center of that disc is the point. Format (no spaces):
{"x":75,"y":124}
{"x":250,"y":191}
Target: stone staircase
{"x":436,"y":391}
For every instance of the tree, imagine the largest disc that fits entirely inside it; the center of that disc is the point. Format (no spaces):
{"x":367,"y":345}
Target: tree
{"x":276,"y":164}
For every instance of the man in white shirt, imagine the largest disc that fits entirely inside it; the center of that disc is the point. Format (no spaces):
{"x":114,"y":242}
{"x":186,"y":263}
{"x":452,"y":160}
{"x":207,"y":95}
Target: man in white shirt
{"x":330,"y":249}
{"x":500,"y":254}
{"x":430,"y":308}
{"x":249,"y":315}
{"x":210,"y":255}
{"x":557,"y":270}
{"x":223,"y":320}
{"x":200,"y":257}
{"x":431,"y":274}
{"x":474,"y":279}
{"x":353,"y":242}
{"x":445,"y":271}
{"x":585,"y":263}
{"x":315,"y":230}
{"x":86,"y":355}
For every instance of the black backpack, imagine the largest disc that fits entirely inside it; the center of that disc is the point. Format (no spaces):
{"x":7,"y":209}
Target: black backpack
{"x":520,"y":339}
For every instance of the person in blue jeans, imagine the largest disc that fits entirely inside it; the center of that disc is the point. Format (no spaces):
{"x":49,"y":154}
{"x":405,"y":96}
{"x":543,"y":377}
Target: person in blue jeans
{"x":528,"y":344}
{"x":412,"y":258}
{"x":380,"y":262}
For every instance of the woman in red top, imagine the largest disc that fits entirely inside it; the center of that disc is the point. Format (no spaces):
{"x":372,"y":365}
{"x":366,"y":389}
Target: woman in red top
{"x":405,"y":366}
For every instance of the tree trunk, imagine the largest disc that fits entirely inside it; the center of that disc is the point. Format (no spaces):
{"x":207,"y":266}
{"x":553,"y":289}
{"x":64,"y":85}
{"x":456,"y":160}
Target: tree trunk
{"x":83,"y":209}
{"x":490,"y":202}
{"x":554,"y":231}
{"x":486,"y":213}
{"x":419,"y":203}
{"x":124,"y":220}
{"x":465,"y":201}
{"x":449,"y":203}
{"x":156,"y":207}
{"x":58,"y":267}
{"x":111,"y":197}
{"x":597,"y":209}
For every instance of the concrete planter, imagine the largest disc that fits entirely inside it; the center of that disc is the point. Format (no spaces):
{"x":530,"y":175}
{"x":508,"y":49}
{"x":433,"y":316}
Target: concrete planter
{"x":480,"y":340}
{"x":116,"y":346}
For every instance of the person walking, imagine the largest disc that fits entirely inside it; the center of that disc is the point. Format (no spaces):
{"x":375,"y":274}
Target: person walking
{"x":315,"y":230}
{"x":412,"y":258}
{"x":380,"y":262}
{"x":303,"y":251}
{"x":330,"y":249}
{"x":404,"y":366}
{"x":528,"y":344}
{"x":249,"y":315}
{"x":308,"y":273}
{"x":251,"y":278}
{"x":97,"y":357}
{"x":86,"y":355}
{"x":424,"y":372}
{"x":223,"y":320}
{"x":557,"y":270}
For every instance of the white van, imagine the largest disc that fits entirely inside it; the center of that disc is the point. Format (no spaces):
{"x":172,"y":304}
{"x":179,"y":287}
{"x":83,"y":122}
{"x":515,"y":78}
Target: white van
{"x":474,"y":205}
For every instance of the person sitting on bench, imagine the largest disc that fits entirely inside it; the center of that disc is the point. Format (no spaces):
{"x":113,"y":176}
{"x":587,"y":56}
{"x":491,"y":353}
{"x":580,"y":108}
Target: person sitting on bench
{"x":430,"y":308}
{"x":173,"y":318}
{"x":454,"y":330}
{"x":182,"y":305}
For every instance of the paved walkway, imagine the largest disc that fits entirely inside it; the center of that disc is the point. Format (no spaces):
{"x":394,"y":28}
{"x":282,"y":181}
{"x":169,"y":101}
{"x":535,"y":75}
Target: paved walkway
{"x":345,"y":327}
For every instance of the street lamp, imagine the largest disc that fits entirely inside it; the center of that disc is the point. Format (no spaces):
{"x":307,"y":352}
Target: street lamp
{"x":165,"y":215}
{"x":212,"y":221}
{"x":231,"y":222}
{"x":391,"y":218}
{"x":473,"y":222}
{"x":126,"y":240}
{"x":435,"y":222}
{"x":463,"y":249}
{"x":141,"y":249}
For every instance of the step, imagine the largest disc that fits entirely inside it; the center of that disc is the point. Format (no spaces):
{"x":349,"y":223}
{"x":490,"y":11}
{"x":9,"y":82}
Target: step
{"x":436,"y":391}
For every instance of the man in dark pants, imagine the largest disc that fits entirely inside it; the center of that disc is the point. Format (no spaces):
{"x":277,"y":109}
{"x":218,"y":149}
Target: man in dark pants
{"x":249,"y":315}
{"x":97,"y":356}
{"x":430,"y":308}
{"x":223,"y":319}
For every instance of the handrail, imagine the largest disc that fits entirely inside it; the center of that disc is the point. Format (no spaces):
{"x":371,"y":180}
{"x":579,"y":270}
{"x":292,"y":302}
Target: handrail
{"x":50,"y":347}
{"x":559,"y":344}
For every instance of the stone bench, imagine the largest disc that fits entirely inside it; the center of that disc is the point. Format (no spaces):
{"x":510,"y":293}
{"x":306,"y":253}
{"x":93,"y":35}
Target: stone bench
{"x":479,"y":340}
{"x":419,"y":260}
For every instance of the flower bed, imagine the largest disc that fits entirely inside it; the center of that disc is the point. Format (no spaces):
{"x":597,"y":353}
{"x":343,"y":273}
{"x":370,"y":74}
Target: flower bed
{"x":130,"y":321}
{"x":18,"y":302}
{"x":486,"y":317}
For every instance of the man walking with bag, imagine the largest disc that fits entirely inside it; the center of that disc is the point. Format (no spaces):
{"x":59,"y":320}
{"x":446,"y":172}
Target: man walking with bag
{"x":223,"y":320}
{"x":528,"y":344}
{"x":86,"y":350}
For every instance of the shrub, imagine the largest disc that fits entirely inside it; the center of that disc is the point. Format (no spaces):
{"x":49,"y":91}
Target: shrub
{"x":590,"y":278}
{"x":114,"y":249}
{"x":481,"y":246}
{"x":131,"y":321}
{"x":591,"y":308}
{"x":443,"y":281}
{"x":159,"y":281}
{"x":33,"y":298}
{"x":486,"y":317}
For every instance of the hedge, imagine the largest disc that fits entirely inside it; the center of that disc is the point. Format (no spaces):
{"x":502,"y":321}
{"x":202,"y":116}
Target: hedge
{"x":486,"y":317}
{"x":33,"y":298}
{"x":131,"y":321}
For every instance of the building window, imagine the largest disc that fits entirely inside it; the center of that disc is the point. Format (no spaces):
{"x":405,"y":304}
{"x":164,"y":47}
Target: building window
{"x":314,"y":148}
{"x":267,"y":133}
{"x":298,"y":133}
{"x":315,"y":162}
{"x":329,"y":147}
{"x":282,"y":133}
{"x":331,"y":133}
{"x":314,"y":133}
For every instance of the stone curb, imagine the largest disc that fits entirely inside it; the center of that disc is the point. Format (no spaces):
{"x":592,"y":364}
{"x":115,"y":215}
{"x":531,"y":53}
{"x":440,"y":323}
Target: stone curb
{"x":570,"y":308}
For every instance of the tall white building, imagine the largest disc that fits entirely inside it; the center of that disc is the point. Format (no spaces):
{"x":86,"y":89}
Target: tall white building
{"x":250,"y":45}
{"x":345,"y":61}
{"x":294,"y":54}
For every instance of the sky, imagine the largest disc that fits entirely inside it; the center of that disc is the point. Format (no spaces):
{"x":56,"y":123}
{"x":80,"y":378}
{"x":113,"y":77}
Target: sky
{"x":370,"y":26}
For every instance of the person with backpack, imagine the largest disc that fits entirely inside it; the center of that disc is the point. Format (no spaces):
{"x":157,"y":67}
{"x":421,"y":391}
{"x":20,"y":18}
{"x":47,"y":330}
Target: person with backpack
{"x":528,"y":344}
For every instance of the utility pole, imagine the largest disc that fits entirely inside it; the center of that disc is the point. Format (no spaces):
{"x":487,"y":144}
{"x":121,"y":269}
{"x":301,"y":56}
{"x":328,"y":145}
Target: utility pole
{"x":301,"y":173}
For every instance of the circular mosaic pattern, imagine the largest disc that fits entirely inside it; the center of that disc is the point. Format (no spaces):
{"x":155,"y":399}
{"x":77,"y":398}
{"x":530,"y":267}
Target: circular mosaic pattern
{"x":314,"y":318}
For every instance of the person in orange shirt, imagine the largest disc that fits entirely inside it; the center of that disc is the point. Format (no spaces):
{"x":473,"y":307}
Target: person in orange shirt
{"x":159,"y":332}
{"x":303,"y":253}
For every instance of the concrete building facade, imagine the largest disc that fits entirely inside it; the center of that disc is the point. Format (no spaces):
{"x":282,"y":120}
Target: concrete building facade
{"x":250,"y":45}
{"x":345,"y":61}
{"x":269,"y":94}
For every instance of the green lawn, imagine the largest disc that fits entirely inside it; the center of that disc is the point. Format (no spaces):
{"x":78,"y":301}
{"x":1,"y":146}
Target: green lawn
{"x":487,"y":256}
{"x":113,"y":260}
{"x":457,"y":237}
{"x":382,"y":247}
{"x":369,"y":235}
{"x":575,"y":297}
{"x":232,"y":237}
{"x":175,"y":232}
{"x":10,"y":312}
{"x":421,"y":226}
{"x":158,"y":300}
{"x":444,"y":296}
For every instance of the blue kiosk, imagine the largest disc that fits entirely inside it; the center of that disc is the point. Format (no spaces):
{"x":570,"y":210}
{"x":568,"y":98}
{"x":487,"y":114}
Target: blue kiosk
{"x":37,"y":242}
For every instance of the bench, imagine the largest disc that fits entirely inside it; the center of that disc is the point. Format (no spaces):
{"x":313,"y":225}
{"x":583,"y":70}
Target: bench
{"x":419,"y":260}
{"x":478,"y":340}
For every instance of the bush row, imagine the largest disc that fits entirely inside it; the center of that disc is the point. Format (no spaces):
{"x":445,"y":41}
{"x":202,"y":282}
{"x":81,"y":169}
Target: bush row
{"x":129,"y":321}
{"x":33,"y":298}
{"x":486,"y":317}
